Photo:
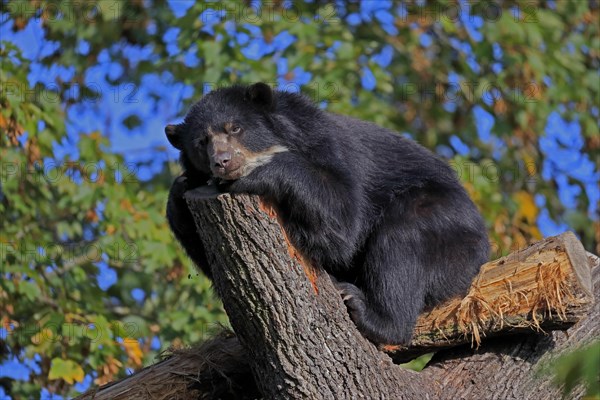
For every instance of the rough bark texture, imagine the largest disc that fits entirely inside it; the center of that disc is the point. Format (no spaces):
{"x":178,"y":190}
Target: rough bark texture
{"x":302,"y":344}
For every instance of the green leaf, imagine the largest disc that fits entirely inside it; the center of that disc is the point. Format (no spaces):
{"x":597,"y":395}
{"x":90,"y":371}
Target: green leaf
{"x":68,"y":370}
{"x":132,"y":121}
{"x":30,"y":289}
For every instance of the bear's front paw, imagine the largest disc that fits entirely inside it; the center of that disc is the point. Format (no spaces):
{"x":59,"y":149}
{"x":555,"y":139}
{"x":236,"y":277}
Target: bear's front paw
{"x":178,"y":214}
{"x":179,"y":187}
{"x":224,"y":186}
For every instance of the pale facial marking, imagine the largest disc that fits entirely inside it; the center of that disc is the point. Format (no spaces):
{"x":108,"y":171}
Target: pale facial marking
{"x":255,"y":160}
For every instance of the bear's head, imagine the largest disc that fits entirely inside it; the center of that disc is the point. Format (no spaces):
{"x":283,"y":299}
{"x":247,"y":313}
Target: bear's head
{"x":229,"y":132}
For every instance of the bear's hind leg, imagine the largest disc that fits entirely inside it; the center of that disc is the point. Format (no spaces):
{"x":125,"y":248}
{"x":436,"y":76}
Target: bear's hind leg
{"x":390,"y":291}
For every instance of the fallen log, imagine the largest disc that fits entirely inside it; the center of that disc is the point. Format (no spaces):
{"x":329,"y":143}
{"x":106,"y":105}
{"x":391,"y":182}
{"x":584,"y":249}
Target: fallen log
{"x":301,"y":343}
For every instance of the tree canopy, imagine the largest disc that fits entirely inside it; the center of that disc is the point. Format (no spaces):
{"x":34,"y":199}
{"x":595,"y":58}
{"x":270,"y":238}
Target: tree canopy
{"x":92,"y":282}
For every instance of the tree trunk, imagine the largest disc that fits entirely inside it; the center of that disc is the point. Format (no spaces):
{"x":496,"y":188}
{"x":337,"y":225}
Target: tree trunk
{"x":301,"y":341}
{"x":302,"y":344}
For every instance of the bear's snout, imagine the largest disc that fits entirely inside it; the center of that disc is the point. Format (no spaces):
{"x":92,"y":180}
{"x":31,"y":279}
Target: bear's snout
{"x":222,"y":159}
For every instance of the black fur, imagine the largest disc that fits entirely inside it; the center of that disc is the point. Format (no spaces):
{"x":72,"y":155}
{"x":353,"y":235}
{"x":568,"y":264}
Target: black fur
{"x":382,"y":214}
{"x":182,"y":223}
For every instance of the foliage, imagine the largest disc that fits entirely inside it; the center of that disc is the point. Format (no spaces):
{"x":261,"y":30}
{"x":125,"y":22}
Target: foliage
{"x":92,"y":281}
{"x":580,"y":366}
{"x":418,"y":363}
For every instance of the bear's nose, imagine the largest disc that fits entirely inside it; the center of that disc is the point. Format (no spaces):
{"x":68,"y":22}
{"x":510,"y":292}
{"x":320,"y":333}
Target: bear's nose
{"x":222,"y":159}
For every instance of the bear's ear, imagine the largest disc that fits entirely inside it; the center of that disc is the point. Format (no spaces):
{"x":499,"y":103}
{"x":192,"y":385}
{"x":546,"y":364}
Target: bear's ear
{"x":261,"y":94}
{"x":174,"y":135}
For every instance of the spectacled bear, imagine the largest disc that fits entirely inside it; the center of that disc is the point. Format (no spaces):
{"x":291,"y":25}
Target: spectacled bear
{"x":383,"y":215}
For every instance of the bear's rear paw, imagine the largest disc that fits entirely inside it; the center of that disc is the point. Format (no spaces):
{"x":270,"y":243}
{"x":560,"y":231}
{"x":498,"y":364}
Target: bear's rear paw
{"x":353,"y":297}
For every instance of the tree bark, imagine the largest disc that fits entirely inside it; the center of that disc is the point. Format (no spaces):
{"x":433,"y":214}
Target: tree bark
{"x":302,"y":344}
{"x":301,"y":341}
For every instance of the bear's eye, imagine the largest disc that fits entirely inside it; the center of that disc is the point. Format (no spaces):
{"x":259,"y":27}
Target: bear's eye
{"x":235,"y":129}
{"x":201,"y":141}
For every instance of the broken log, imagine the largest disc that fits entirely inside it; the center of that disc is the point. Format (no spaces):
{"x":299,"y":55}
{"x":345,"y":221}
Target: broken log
{"x":504,"y":368}
{"x":547,"y":286}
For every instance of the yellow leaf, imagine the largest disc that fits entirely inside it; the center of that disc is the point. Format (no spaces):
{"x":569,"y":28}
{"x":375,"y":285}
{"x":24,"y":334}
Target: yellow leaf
{"x":96,"y":135}
{"x":133,"y":350}
{"x":535,"y":232}
{"x":527,"y":207}
{"x":107,"y":372}
{"x":45,"y":334}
